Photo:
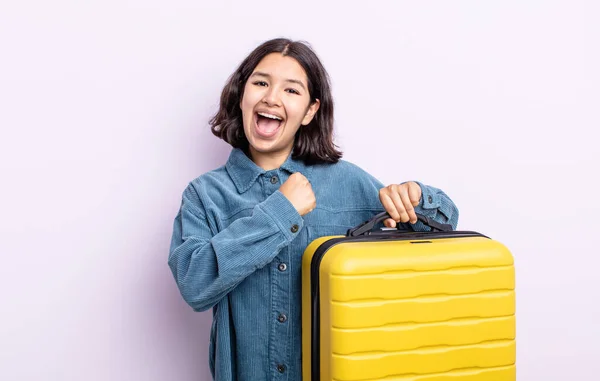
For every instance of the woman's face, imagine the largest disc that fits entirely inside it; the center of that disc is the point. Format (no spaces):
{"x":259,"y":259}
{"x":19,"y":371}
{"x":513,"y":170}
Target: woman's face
{"x":275,"y":104}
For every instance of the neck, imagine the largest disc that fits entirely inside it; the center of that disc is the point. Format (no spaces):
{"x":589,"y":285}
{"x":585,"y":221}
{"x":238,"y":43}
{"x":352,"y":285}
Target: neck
{"x":270,"y":160}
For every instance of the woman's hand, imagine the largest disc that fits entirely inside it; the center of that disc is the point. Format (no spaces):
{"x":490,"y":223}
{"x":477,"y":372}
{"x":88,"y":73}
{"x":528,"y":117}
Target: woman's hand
{"x":298,"y":190}
{"x":399,"y":201}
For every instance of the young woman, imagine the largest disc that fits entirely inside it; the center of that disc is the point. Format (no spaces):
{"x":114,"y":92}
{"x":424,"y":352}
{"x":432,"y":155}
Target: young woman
{"x":242,"y":228}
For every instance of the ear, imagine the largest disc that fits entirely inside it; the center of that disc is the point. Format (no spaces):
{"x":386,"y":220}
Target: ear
{"x":310,"y":113}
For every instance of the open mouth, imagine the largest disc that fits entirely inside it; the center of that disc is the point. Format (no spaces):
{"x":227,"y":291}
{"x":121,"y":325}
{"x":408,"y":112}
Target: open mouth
{"x":267,"y":124}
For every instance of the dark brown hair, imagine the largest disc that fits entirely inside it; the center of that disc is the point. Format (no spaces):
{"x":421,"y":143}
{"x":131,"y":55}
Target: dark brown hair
{"x":313,"y":143}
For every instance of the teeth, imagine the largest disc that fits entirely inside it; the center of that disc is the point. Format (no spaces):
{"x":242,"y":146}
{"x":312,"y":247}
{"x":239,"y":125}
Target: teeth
{"x":270,"y":116}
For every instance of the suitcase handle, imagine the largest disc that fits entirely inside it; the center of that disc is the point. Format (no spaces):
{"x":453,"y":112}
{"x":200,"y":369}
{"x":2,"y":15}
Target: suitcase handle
{"x":366,"y":227}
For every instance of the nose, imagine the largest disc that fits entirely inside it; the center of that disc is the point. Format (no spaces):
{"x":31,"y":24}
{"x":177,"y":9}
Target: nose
{"x":271,"y":97}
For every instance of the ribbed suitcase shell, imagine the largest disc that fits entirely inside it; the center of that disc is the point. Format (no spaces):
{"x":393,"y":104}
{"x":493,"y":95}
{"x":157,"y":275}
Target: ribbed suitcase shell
{"x":420,"y":309}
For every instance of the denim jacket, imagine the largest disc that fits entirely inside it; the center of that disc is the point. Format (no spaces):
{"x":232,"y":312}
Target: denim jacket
{"x":237,"y":245}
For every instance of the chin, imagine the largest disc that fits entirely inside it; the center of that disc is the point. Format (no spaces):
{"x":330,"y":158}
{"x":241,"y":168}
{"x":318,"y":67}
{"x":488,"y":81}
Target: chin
{"x":264,"y":148}
{"x":263,"y":145}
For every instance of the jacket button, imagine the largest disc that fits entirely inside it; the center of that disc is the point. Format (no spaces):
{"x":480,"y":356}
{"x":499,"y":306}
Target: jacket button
{"x":282,"y":318}
{"x":430,"y":199}
{"x":281,"y":368}
{"x":282,"y":267}
{"x":274,"y":180}
{"x":294,"y":228}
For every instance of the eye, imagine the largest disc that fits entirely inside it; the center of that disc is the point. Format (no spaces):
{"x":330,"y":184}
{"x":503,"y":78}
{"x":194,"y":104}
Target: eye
{"x":293,"y":91}
{"x":260,"y":83}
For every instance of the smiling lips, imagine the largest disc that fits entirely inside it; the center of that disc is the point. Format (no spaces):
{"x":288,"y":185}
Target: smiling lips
{"x":267,"y":124}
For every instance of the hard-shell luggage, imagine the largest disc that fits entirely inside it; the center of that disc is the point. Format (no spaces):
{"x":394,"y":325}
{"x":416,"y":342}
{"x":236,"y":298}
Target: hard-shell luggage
{"x":401,"y":305}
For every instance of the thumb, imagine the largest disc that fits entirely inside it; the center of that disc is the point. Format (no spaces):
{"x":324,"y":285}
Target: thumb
{"x":390,"y":223}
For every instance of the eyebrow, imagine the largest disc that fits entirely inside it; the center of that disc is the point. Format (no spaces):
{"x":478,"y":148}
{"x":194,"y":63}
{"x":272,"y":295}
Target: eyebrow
{"x":262,"y":74}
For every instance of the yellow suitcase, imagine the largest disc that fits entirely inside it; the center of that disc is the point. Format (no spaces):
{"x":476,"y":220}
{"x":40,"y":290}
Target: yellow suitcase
{"x":400,"y":305}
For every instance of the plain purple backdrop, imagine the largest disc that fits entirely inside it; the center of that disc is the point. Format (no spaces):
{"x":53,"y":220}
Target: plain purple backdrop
{"x":103,"y":121}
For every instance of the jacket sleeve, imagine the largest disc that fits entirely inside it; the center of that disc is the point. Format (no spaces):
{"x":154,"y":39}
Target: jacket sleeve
{"x":436,"y":204}
{"x":208,"y":266}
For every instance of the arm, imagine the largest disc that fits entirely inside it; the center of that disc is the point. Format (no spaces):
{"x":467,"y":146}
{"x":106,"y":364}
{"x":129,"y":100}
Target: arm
{"x":207,"y":267}
{"x":428,"y":201}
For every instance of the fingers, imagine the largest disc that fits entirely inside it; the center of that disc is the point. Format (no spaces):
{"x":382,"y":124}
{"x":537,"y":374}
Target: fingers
{"x":298,"y":190}
{"x":388,"y":205}
{"x":399,"y":201}
{"x":399,"y":196}
{"x":408,"y":206}
{"x":414,"y":192}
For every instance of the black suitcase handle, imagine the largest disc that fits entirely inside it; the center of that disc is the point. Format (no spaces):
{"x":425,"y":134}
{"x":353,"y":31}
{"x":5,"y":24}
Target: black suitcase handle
{"x":367,"y":226}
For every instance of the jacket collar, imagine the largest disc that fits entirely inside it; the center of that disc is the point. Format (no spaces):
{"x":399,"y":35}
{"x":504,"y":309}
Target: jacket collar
{"x":244,"y":172}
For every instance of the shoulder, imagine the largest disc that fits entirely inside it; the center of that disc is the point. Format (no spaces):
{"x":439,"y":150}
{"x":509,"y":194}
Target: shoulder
{"x":217,"y":177}
{"x":202,"y":188}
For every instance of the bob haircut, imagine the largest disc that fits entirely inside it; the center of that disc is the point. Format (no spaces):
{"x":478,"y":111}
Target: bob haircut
{"x":313,"y":143}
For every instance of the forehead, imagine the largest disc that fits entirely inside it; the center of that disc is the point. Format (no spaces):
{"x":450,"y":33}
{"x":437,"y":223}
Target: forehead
{"x":282,"y":67}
